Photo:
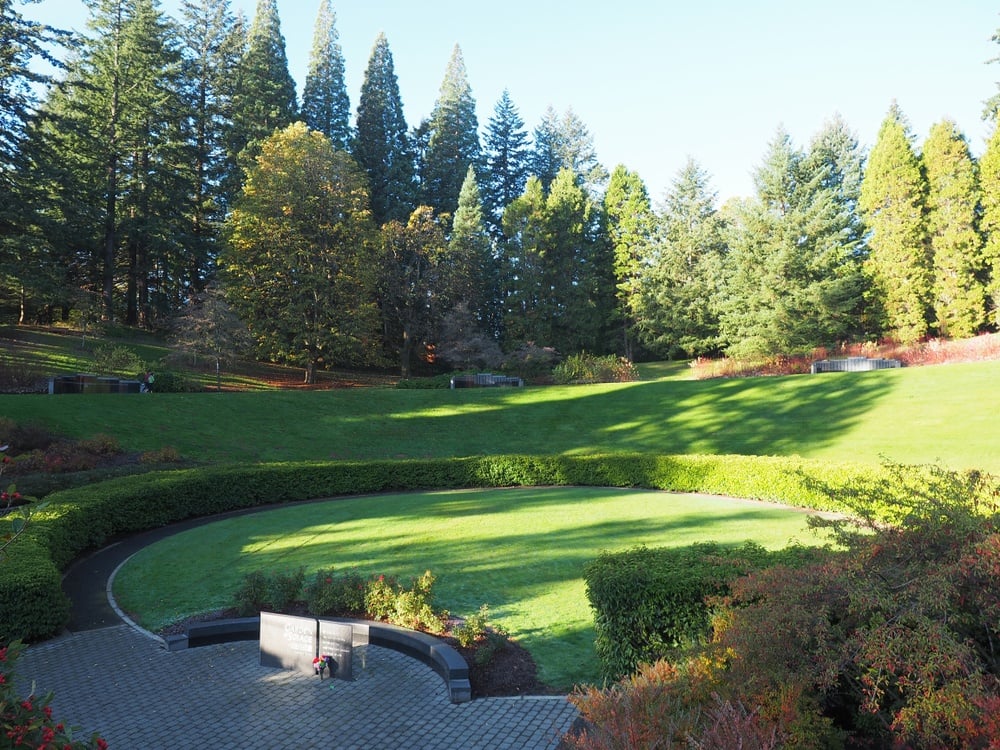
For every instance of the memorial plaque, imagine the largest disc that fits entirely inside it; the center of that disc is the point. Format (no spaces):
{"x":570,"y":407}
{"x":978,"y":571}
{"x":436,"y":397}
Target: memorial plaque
{"x":288,"y":642}
{"x":336,"y":639}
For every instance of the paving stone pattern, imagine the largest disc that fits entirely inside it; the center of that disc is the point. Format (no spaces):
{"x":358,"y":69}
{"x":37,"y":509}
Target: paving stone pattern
{"x":126,"y":686}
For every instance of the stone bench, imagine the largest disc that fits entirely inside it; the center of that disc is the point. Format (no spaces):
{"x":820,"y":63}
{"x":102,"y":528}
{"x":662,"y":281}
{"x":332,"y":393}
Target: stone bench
{"x":485,"y":380}
{"x":853,"y":364}
{"x":433,"y":652}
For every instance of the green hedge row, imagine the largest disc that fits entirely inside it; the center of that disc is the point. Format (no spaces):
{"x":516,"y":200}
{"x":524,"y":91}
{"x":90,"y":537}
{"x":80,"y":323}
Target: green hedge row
{"x":82,"y":519}
{"x":649,"y":602}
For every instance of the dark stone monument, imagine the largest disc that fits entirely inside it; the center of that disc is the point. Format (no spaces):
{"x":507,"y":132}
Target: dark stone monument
{"x":288,"y":642}
{"x":336,"y":639}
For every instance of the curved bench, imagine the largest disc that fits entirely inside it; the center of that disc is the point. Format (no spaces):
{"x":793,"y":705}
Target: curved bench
{"x":439,"y":656}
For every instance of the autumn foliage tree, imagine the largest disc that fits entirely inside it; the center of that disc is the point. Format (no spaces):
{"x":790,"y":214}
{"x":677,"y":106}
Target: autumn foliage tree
{"x":299,"y":262}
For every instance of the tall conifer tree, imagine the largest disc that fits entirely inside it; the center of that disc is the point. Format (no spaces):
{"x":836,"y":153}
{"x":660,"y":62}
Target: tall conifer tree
{"x":628,"y":226}
{"x":989,"y":191}
{"x":680,"y":274}
{"x":507,"y":152}
{"x":211,"y":47}
{"x":893,"y":205}
{"x":471,"y":275}
{"x":325,"y":104}
{"x":264,"y":99}
{"x":381,"y":144}
{"x":956,"y":247}
{"x":453,"y":144}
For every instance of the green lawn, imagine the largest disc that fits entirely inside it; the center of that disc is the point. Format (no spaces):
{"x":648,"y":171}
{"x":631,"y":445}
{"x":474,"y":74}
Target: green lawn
{"x":521,"y":551}
{"x":943,"y":414}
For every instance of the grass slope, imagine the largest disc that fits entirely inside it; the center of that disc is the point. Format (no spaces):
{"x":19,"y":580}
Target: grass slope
{"x":522,"y":551}
{"x":943,"y":414}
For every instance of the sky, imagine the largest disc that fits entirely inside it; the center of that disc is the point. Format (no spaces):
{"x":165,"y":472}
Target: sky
{"x":657,"y":82}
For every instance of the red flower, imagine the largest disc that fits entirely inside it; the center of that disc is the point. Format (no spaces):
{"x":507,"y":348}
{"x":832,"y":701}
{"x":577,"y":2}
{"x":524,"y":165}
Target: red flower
{"x":102,"y":744}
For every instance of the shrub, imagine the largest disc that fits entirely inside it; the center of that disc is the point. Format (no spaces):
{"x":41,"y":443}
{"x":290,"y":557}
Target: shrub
{"x":380,"y":597}
{"x":169,"y":381}
{"x":333,"y":594}
{"x":28,"y":721}
{"x":111,"y":359}
{"x":890,"y":643}
{"x":588,"y":368}
{"x":473,"y":628}
{"x":262,"y":591}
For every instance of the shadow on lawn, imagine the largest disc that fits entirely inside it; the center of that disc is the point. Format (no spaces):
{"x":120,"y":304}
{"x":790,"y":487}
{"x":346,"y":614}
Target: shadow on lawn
{"x":749,"y":416}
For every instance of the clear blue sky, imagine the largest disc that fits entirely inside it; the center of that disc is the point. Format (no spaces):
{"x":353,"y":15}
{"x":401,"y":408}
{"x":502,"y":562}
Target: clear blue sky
{"x":657,"y":81}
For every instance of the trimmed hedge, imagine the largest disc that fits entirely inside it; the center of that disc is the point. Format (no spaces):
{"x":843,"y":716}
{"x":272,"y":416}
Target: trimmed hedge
{"x":649,"y":602}
{"x":82,"y":519}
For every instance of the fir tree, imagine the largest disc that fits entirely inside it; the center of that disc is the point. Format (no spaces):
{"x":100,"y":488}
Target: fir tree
{"x":893,"y":206}
{"x":566,"y":143}
{"x":506,"y":150}
{"x":381,"y":144}
{"x":628,"y":226}
{"x":989,"y":191}
{"x":676,"y":303}
{"x":325,"y":104}
{"x":453,"y":144}
{"x":956,"y":247}
{"x":471,"y":276}
{"x":264,"y":98}
{"x":211,"y":50}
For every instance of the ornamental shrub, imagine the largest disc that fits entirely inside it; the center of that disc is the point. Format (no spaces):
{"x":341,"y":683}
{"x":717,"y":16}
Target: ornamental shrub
{"x":340,"y":594}
{"x":28,"y":721}
{"x":584,"y":368}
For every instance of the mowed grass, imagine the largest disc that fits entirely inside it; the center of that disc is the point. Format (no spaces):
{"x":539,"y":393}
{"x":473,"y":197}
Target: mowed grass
{"x":522,"y":551}
{"x":945,"y":414}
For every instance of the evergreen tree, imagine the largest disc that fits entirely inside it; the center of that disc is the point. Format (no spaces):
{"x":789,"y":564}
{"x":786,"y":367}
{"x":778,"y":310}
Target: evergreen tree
{"x":264,"y":97}
{"x":545,"y":159}
{"x":107,"y":146}
{"x":556,"y":294}
{"x":325,"y":104}
{"x":211,"y":49}
{"x":471,"y":277}
{"x":381,"y":144}
{"x":566,"y":143}
{"x":989,"y":191}
{"x":25,"y":272}
{"x":506,"y":150}
{"x":628,"y":226}
{"x":893,"y":206}
{"x":299,"y":264}
{"x":677,"y":296}
{"x":453,"y":143}
{"x":795,"y":281}
{"x":956,"y":247}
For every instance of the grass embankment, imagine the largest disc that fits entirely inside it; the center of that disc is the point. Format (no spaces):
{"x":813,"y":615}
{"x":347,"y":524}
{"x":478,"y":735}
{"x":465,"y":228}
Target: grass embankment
{"x":944,"y":414}
{"x":522,"y":551}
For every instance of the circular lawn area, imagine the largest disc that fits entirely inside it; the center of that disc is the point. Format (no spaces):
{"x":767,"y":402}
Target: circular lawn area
{"x":522,"y":551}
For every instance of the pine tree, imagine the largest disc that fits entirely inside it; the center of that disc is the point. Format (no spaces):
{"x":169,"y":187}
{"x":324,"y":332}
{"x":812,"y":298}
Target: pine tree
{"x":381,"y":144}
{"x":506,"y":151}
{"x":325,"y":104}
{"x":264,"y":98}
{"x":545,"y":159}
{"x":956,"y":247}
{"x":989,"y":191}
{"x":628,"y":225}
{"x":453,"y":144}
{"x":676,"y":302}
{"x":893,"y":206}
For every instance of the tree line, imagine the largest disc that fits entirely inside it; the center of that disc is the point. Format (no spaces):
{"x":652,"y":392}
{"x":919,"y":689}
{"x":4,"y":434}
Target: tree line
{"x":169,"y":168}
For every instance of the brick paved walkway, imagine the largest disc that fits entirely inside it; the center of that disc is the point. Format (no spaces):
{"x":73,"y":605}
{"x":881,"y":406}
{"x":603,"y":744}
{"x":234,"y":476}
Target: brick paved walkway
{"x":125,"y":685}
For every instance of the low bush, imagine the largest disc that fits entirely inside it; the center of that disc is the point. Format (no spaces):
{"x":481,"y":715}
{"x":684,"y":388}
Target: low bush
{"x":332,"y":593}
{"x":584,"y":368}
